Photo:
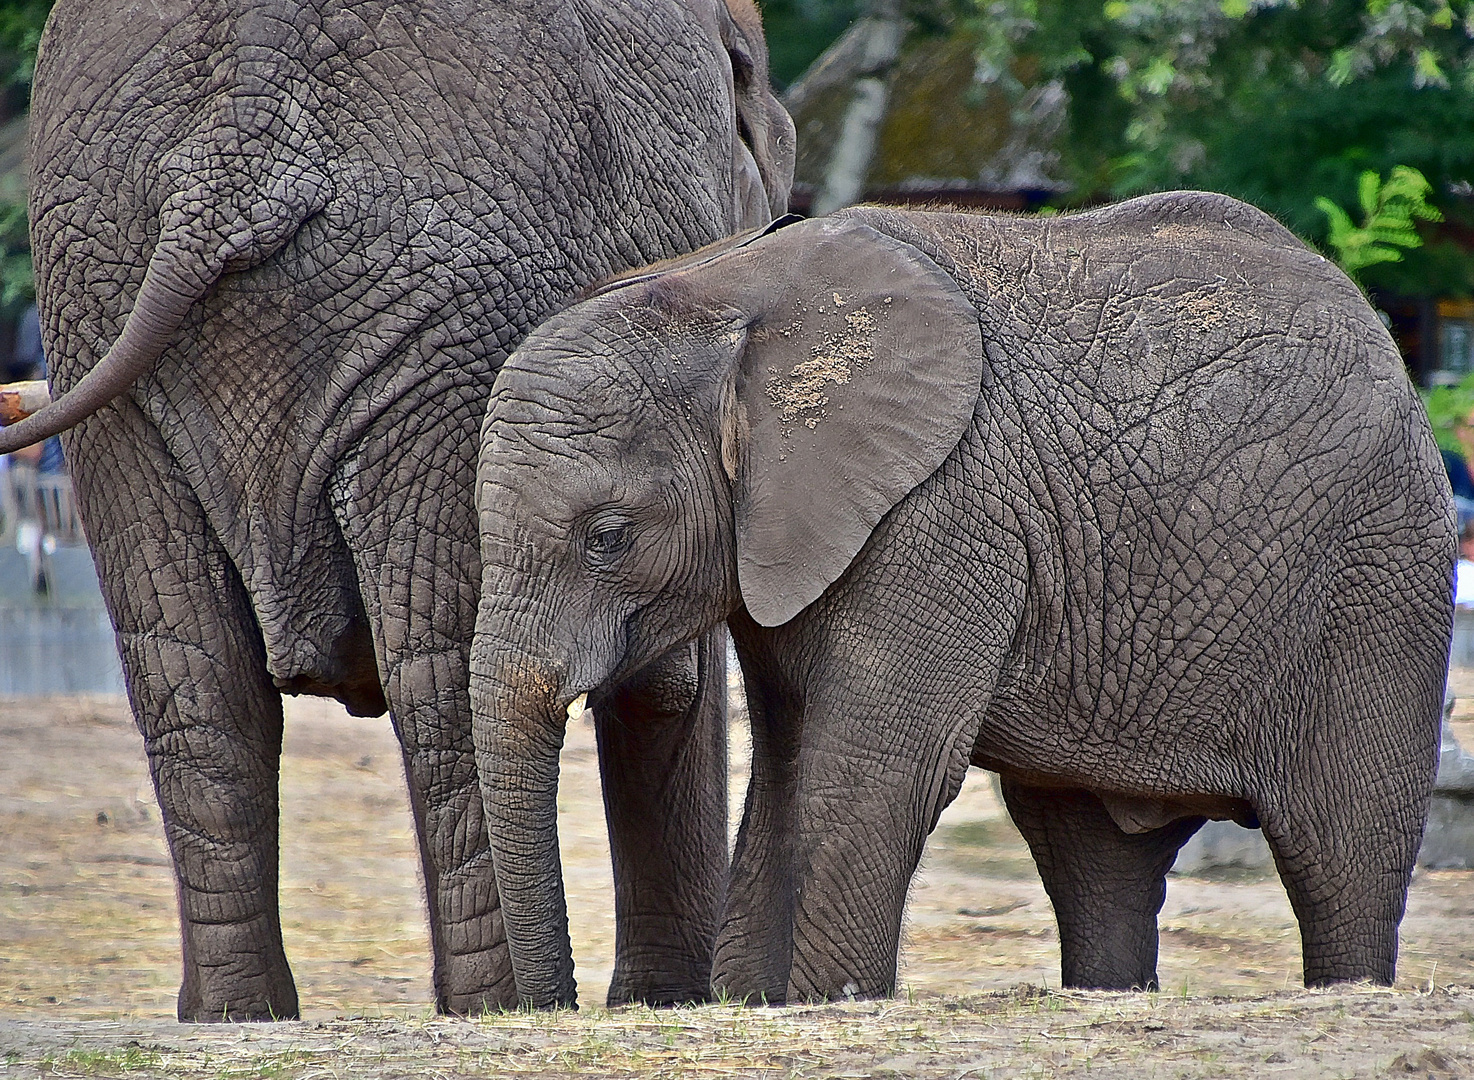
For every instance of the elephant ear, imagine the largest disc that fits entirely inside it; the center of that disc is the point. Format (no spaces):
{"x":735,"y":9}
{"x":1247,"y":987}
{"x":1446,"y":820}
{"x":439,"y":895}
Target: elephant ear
{"x":856,"y":381}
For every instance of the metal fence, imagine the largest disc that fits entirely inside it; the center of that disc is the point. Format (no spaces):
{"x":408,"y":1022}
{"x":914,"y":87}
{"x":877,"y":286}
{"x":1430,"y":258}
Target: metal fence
{"x":40,"y":536}
{"x":55,"y":637}
{"x":39,"y":505}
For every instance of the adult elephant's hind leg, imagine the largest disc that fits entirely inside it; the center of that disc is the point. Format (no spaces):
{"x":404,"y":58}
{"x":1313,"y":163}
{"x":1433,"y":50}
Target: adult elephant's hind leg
{"x":663,"y":757}
{"x":210,"y":716}
{"x":408,"y":519}
{"x":429,"y":700}
{"x":1107,"y":886}
{"x":1346,"y":817}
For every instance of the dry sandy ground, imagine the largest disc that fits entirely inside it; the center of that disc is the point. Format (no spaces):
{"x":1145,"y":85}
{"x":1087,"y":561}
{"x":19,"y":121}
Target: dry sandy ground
{"x":89,"y":947}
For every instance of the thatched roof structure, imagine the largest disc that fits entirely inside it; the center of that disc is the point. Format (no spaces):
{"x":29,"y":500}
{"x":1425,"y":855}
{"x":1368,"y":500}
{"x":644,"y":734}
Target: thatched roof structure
{"x":895,"y":114}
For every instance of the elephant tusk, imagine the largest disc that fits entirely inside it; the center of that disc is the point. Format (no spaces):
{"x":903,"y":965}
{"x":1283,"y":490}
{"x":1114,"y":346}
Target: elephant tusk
{"x":576,"y":706}
{"x":19,"y":400}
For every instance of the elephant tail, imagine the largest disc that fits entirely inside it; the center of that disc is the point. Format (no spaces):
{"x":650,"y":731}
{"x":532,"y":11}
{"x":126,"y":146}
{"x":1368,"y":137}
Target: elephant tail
{"x":209,"y":226}
{"x":165,"y":297}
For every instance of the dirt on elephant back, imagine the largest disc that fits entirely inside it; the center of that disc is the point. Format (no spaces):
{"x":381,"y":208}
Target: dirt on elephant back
{"x":89,"y":946}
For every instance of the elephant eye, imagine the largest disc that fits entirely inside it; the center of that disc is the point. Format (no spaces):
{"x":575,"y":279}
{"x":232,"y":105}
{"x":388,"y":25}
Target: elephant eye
{"x":606,"y":541}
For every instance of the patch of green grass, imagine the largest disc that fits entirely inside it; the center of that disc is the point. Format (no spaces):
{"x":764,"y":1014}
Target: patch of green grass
{"x":119,"y":1062}
{"x":279,"y":1066}
{"x":990,"y":848}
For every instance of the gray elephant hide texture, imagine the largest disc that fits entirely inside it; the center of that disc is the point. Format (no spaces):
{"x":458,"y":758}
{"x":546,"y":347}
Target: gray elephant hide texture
{"x":317,"y":229}
{"x":1136,"y":506}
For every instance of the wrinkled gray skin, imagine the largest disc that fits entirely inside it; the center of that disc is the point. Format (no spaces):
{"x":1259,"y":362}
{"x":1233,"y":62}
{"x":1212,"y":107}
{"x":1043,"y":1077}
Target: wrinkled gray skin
{"x":306,"y":235}
{"x":1136,"y":507}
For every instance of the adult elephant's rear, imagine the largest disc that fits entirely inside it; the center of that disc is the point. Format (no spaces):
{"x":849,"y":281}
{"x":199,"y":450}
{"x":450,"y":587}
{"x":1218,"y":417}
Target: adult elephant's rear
{"x":289,"y":245}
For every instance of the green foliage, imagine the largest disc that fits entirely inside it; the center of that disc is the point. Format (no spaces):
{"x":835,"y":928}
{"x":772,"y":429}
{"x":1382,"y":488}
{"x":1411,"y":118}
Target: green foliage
{"x":1448,"y":407}
{"x":20,"y":33}
{"x":1277,"y":102}
{"x":17,"y":283}
{"x":799,"y":30}
{"x":1388,"y":210}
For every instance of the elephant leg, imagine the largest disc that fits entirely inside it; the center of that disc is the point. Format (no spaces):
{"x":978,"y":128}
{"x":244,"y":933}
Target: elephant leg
{"x":408,"y":519}
{"x":209,"y":714}
{"x":1348,"y":902}
{"x":868,"y":796}
{"x":1346,"y":818}
{"x":663,"y":757}
{"x":1107,"y":886}
{"x":755,"y":944}
{"x":428,"y":699}
{"x":1346,"y":875}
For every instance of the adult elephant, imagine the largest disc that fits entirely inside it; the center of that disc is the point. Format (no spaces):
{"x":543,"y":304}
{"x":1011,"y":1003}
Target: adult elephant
{"x":282,"y":249}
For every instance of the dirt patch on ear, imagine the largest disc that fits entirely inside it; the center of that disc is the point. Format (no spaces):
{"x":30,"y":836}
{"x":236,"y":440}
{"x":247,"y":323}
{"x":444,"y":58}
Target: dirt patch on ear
{"x":803,"y":395}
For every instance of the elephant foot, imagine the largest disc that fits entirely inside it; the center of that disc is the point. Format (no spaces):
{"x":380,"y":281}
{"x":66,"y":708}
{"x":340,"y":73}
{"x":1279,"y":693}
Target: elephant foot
{"x":658,"y":992}
{"x":820,"y":982}
{"x":250,"y":1012}
{"x":238,"y":993}
{"x":748,"y":976}
{"x":1368,"y":977}
{"x":476,"y":984}
{"x":1357,"y":949}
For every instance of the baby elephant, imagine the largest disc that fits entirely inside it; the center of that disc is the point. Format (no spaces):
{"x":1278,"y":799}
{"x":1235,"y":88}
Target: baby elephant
{"x":1136,"y":507}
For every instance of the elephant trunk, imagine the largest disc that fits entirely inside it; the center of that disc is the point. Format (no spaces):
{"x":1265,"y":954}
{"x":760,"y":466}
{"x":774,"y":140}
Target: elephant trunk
{"x":519,"y":731}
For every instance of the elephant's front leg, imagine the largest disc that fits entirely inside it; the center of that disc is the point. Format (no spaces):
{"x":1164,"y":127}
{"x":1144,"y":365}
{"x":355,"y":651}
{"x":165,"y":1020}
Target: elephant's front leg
{"x":409,"y":522}
{"x":428,"y":698}
{"x":838,"y":810}
{"x":871,"y":785}
{"x":210,"y":716}
{"x":663,"y":757}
